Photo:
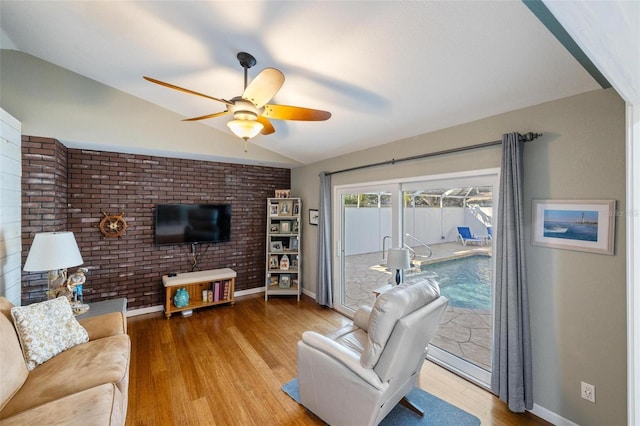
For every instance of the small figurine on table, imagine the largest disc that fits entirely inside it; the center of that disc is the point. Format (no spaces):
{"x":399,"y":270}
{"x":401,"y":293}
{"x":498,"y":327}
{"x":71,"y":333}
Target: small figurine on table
{"x":76,"y":281}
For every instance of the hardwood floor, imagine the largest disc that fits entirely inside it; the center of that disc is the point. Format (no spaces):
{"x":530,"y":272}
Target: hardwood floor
{"x":225,"y":366}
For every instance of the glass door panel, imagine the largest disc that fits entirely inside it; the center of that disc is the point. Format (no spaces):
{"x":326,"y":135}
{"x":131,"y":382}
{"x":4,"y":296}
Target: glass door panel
{"x":366,"y":231}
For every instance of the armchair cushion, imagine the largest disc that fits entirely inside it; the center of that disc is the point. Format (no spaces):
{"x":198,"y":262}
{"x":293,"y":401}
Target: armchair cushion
{"x":388,"y":309}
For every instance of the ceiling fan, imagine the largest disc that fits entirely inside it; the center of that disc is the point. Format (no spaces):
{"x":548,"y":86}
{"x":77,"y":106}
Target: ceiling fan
{"x":251,"y":112}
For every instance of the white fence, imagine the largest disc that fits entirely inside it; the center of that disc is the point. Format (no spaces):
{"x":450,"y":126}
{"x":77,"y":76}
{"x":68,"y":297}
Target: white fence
{"x":366,"y":227}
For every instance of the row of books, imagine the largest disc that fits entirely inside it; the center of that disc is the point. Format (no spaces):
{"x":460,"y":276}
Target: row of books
{"x":219,"y":291}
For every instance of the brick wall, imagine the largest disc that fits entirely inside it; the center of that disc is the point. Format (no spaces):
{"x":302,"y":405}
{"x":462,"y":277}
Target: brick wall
{"x":113,"y":183}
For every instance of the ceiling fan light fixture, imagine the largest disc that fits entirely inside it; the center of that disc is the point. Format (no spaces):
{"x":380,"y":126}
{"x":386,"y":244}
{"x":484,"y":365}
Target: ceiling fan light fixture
{"x":245,"y":129}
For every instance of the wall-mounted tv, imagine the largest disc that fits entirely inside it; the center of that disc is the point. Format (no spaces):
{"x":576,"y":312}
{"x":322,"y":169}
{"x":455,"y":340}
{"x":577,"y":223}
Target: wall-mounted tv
{"x":192,"y":223}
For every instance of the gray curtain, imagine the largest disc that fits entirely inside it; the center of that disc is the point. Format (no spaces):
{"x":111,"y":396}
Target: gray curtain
{"x":324,"y":295}
{"x":511,"y":377}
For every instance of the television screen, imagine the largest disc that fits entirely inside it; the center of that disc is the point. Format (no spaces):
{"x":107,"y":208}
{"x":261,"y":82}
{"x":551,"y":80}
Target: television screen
{"x":193,"y":223}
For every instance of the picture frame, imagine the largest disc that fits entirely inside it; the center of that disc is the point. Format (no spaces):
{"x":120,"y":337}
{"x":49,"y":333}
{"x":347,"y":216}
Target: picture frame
{"x":296,"y":209}
{"x":313,"y":217}
{"x":285,"y":227}
{"x":293,"y":243}
{"x":275,"y":246}
{"x":273,"y":209}
{"x":274,"y":280}
{"x":283,"y":193}
{"x":274,"y":228}
{"x":274,"y":262}
{"x":579,"y":225}
{"x":294,"y":282}
{"x":285,"y":208}
{"x":295,"y":226}
{"x":285,"y":281}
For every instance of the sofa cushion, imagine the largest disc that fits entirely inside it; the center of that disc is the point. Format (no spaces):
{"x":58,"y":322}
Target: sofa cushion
{"x":45,"y":329}
{"x":389,"y":307}
{"x":95,"y":406}
{"x":82,"y":367}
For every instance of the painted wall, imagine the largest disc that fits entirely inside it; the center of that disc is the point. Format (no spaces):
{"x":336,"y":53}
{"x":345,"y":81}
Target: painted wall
{"x":10,"y":207}
{"x":577,"y":299}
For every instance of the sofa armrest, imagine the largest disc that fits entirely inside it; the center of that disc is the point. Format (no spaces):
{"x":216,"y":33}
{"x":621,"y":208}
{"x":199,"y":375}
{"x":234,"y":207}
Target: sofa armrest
{"x":361,"y":317}
{"x":106,"y":325}
{"x":345,"y":356}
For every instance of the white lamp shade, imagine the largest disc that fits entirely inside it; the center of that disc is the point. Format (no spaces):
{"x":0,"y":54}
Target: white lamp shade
{"x":53,"y":250}
{"x":245,"y":129}
{"x":398,"y":258}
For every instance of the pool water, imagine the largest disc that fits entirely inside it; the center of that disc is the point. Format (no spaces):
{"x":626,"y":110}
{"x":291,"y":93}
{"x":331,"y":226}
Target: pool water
{"x":466,"y":282}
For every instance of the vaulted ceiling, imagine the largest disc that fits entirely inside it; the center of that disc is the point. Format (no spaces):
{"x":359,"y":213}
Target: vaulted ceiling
{"x":386,"y":70}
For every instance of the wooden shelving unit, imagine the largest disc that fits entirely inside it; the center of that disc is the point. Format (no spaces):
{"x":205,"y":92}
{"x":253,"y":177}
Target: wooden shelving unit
{"x":221,"y":283}
{"x":283,"y":263}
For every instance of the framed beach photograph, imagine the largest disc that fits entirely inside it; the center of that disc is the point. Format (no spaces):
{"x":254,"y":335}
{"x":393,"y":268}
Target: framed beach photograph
{"x":274,"y":279}
{"x":273,"y":261}
{"x":293,"y":243}
{"x":273,"y":209}
{"x":582,"y":225}
{"x":274,"y":228}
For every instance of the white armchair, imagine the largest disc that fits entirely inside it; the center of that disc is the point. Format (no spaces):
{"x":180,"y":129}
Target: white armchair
{"x":357,"y":374}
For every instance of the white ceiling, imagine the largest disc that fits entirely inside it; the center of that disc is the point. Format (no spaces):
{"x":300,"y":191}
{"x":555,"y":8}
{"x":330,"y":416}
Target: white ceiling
{"x":386,"y":70}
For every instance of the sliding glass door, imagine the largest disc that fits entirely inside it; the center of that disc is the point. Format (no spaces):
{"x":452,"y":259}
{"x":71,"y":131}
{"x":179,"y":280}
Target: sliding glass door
{"x":425,"y":216}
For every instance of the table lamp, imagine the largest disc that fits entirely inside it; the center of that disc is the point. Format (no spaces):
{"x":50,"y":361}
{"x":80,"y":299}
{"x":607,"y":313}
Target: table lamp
{"x":53,"y":252}
{"x":398,"y":258}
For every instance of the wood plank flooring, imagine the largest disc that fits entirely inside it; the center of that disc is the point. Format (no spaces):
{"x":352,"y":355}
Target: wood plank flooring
{"x":225,"y":366}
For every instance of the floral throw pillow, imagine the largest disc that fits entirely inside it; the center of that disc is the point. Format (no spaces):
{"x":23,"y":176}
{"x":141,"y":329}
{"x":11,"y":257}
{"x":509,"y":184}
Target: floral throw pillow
{"x":45,"y":329}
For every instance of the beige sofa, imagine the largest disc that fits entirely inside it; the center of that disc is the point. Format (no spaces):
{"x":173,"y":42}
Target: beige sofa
{"x":84,"y":385}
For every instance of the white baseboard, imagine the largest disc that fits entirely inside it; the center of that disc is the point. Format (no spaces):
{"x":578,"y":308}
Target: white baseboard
{"x":551,"y":417}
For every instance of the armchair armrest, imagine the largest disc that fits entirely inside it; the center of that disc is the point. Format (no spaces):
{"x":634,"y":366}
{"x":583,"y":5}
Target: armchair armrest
{"x":347,"y":357}
{"x":106,"y":325}
{"x":361,"y":318}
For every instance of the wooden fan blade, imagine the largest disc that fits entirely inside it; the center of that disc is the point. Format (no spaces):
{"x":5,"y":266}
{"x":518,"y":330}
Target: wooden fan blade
{"x":264,"y":86}
{"x":181,"y":89}
{"x":268,"y":127}
{"x":204,"y":117}
{"x":285,"y":112}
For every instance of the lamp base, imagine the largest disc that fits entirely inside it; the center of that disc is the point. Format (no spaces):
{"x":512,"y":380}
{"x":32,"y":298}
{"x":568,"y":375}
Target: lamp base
{"x":57,"y":284}
{"x":397,"y":276}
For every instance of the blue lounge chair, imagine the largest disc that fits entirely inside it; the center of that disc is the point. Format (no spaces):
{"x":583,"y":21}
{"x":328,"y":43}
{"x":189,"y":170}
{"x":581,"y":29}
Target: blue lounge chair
{"x":465,"y":235}
{"x":490,"y":233}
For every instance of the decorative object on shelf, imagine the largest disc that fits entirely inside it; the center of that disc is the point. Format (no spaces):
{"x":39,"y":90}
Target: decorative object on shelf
{"x":54,"y":252}
{"x":284,"y":262}
{"x":313,"y":216}
{"x":113,"y":225}
{"x":285,"y":281}
{"x":181,"y":299}
{"x":285,"y":227}
{"x":275,"y":228}
{"x":273,"y":262}
{"x":398,"y":258}
{"x":293,"y":243}
{"x":283,"y":193}
{"x":295,"y":228}
{"x":273,"y":210}
{"x":286,"y":208}
{"x":276,"y":246}
{"x":273,"y":280}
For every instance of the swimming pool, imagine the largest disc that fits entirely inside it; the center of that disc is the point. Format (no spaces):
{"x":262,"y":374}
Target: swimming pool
{"x":466,"y":282}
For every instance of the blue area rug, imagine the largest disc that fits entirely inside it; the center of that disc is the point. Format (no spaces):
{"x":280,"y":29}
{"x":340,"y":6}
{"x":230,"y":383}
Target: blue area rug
{"x":436,"y":411}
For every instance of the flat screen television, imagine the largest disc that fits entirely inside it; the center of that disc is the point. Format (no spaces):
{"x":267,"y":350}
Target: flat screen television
{"x":192,"y":223}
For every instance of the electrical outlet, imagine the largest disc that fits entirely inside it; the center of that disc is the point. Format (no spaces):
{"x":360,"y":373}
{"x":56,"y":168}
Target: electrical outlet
{"x":588,"y":392}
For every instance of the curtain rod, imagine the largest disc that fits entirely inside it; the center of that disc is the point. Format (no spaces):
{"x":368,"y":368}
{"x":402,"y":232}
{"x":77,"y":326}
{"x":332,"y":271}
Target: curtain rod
{"x":527,"y":137}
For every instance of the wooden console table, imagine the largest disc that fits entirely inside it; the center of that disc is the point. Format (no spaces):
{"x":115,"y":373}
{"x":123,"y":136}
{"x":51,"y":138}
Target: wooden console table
{"x":218,"y":284}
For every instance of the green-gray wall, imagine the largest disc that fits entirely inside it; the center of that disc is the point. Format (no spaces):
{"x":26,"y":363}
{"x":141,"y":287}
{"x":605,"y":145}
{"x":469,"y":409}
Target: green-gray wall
{"x":578,"y":317}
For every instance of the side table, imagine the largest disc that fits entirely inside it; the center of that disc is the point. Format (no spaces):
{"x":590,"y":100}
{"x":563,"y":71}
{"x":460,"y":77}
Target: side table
{"x":105,"y":307}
